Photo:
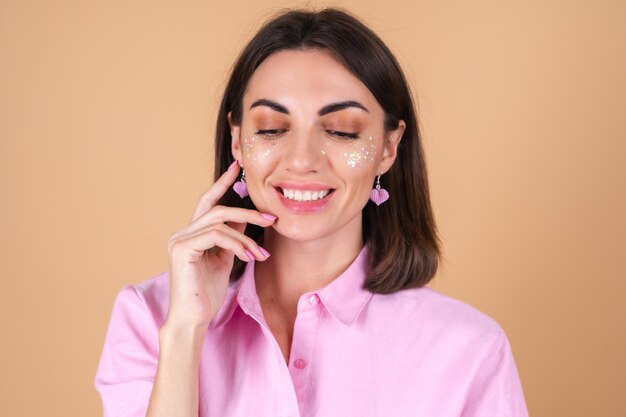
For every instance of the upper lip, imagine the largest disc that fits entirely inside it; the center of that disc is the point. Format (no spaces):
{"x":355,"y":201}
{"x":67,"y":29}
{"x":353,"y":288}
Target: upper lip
{"x":308,"y":186}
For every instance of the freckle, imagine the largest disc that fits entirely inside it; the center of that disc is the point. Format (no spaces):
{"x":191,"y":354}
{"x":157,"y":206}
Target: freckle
{"x":196,"y":294}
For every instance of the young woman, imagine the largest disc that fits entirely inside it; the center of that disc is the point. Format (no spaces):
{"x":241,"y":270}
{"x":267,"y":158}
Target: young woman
{"x":298,"y":288}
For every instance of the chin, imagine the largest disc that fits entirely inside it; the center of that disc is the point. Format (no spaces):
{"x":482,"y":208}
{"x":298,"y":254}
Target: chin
{"x":301,"y":231}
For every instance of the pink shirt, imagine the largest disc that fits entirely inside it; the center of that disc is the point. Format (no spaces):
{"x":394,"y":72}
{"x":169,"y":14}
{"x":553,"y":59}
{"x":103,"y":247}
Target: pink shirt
{"x":354,"y":353}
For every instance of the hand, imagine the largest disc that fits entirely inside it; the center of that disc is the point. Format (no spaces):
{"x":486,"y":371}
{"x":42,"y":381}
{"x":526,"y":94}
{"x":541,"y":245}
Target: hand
{"x":202,"y":255}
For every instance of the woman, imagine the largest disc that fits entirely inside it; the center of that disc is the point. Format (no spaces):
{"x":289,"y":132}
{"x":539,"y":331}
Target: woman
{"x":298,"y":288}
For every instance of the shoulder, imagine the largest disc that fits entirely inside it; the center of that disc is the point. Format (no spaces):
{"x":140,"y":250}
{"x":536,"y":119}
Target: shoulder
{"x":155,"y":290}
{"x":149,"y":298}
{"x":428,"y":310}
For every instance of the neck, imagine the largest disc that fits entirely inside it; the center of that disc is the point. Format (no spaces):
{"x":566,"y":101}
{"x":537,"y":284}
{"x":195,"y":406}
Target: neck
{"x":297,"y":267}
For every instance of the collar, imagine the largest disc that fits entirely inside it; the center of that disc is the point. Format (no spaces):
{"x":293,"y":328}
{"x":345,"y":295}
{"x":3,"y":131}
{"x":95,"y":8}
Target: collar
{"x":344,"y":297}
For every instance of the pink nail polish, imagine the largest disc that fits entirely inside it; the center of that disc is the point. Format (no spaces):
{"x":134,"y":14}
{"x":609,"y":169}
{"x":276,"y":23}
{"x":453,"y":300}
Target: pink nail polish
{"x":264,"y":252}
{"x":233,"y":164}
{"x":250,"y":255}
{"x":268,"y":216}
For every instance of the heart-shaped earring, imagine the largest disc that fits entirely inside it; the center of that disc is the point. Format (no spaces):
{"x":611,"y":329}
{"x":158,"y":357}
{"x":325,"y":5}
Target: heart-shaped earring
{"x":379,"y":195}
{"x":240,"y":187}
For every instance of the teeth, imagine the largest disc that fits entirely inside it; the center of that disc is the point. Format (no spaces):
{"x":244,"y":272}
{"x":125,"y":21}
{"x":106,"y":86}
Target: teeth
{"x":298,"y":195}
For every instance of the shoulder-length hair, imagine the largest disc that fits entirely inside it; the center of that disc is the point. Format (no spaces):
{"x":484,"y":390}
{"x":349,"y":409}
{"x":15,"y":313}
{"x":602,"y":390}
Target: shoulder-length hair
{"x":401,"y":234}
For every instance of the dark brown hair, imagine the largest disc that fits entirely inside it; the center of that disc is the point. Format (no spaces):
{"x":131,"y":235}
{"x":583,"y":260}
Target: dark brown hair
{"x":401,"y":234}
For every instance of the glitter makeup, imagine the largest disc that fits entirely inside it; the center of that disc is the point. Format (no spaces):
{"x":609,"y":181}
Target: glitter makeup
{"x":355,"y":153}
{"x":257,"y":149}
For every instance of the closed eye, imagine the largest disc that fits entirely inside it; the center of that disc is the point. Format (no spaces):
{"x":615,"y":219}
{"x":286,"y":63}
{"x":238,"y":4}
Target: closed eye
{"x":345,"y":135}
{"x":270,"y":132}
{"x":277,"y":132}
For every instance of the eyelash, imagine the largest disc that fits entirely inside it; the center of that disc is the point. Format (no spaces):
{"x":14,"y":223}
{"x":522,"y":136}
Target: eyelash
{"x":273,"y":133}
{"x":270,"y":132}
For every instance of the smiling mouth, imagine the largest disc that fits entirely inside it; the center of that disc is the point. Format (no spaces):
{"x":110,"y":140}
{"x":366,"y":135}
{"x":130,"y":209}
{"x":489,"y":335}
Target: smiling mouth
{"x":305,"y":195}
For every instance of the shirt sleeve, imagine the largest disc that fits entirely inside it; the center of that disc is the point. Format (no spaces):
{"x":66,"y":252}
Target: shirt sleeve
{"x":127,"y":368}
{"x":496,"y":389}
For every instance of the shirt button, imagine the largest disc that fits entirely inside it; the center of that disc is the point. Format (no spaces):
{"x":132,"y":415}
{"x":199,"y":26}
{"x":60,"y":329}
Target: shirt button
{"x":299,"y":363}
{"x":314,"y":299}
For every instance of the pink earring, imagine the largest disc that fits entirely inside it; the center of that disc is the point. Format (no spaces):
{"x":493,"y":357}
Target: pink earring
{"x":379,"y":195}
{"x":240,"y":186}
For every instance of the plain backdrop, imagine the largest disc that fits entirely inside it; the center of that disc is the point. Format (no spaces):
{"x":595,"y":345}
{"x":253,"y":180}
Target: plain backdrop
{"x":107,"y":112}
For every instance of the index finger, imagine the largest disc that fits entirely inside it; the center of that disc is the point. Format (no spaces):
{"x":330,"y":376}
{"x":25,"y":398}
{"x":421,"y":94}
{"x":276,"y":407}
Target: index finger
{"x":210,"y":197}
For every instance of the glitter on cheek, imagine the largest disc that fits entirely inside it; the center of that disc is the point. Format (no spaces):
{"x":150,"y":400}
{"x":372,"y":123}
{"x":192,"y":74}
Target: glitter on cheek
{"x":362,"y":153}
{"x":248,"y":146}
{"x":353,"y":159}
{"x":257,"y":149}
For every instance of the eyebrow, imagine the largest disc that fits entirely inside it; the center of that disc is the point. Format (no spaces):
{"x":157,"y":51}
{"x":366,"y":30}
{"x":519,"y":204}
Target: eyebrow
{"x":329,"y":108}
{"x":271,"y":104}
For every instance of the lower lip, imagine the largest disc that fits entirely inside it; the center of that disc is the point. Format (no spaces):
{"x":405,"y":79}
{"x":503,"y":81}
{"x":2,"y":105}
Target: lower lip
{"x":311,"y":206}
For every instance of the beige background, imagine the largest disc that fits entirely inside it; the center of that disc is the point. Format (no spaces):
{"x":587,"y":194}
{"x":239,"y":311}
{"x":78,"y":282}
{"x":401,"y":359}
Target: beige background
{"x":106,"y":120}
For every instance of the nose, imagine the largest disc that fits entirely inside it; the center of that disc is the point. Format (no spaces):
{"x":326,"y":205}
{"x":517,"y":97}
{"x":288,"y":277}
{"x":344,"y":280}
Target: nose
{"x":304,"y":153}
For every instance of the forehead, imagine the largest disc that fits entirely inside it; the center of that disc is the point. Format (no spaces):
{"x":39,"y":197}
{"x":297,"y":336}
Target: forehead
{"x":310,"y":77}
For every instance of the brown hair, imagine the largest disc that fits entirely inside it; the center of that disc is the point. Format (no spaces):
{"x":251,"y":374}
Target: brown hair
{"x":401,"y":234}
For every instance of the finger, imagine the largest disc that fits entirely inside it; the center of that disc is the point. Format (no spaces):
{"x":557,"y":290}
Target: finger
{"x":250,"y":244}
{"x":209,"y":239}
{"x":240,"y":227}
{"x":247,"y":242}
{"x":223,"y":214}
{"x":210,"y":197}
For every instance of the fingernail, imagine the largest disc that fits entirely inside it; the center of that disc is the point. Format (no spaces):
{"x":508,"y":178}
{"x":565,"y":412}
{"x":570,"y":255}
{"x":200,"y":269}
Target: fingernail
{"x":233,"y":164}
{"x":250,"y":255}
{"x":268,"y":216}
{"x":264,"y":252}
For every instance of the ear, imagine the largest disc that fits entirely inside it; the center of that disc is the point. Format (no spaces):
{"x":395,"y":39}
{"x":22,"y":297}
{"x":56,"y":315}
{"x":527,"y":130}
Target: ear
{"x":235,"y":143}
{"x":390,"y":148}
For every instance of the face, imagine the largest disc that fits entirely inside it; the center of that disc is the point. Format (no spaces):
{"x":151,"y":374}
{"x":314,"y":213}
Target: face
{"x":311,"y":142}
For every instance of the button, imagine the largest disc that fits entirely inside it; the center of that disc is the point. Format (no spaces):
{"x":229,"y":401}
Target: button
{"x":314,"y":299}
{"x":299,"y":363}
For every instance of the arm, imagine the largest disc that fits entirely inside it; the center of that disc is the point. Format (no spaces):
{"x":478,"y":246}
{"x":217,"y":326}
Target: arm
{"x":149,"y":369}
{"x":175,"y":390}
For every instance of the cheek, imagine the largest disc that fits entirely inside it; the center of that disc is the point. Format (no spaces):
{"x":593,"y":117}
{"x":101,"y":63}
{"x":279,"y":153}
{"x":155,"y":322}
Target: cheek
{"x":357,"y":155}
{"x":258,"y":151}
